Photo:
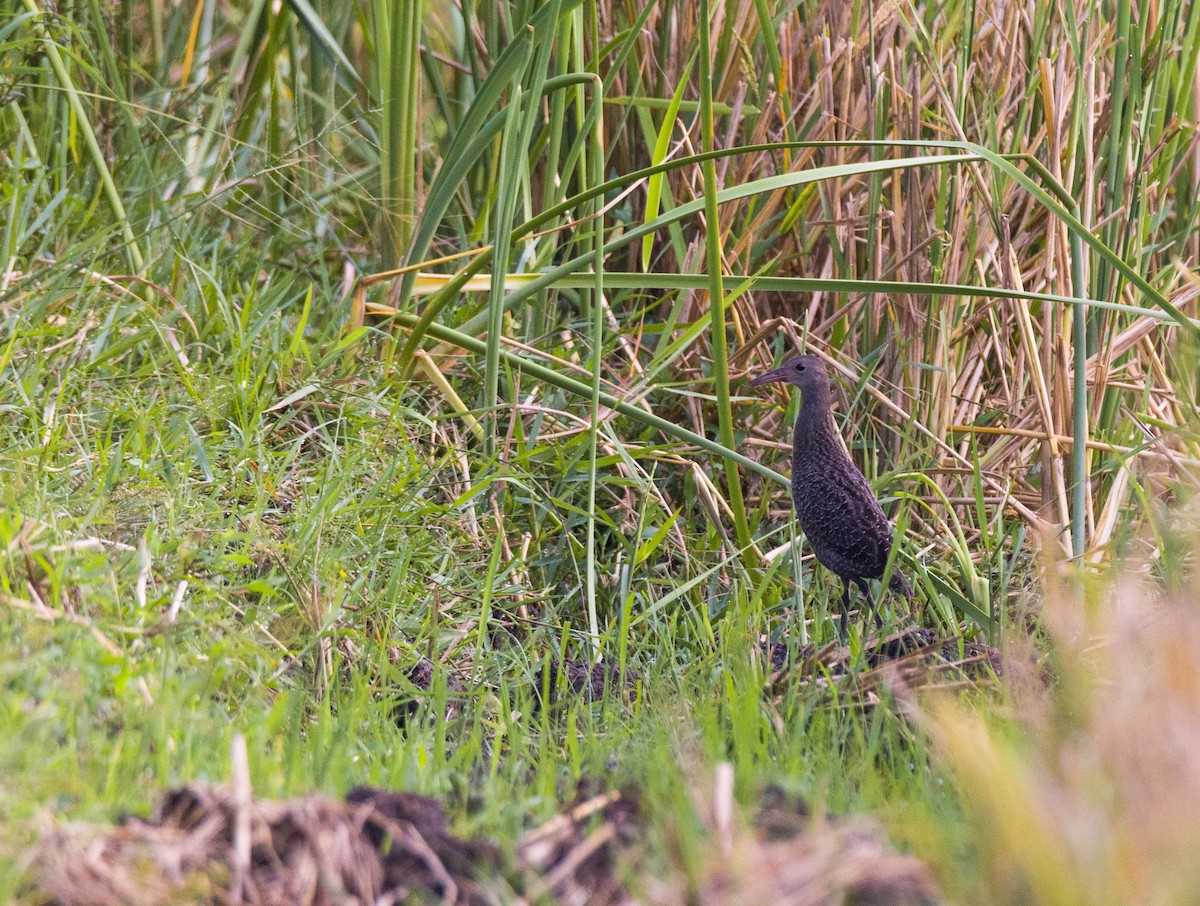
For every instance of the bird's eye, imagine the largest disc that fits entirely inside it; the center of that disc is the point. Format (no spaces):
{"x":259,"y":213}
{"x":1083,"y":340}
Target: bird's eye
{"x":799,"y":367}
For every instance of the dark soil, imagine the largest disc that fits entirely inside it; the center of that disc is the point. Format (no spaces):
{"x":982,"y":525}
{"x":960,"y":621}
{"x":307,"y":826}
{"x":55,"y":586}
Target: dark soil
{"x":574,"y":857}
{"x":420,"y":675}
{"x":393,"y":817}
{"x":580,"y":677}
{"x":205,"y":845}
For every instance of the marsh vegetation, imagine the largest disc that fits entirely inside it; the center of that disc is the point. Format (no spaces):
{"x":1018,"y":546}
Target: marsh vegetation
{"x":372,"y":379}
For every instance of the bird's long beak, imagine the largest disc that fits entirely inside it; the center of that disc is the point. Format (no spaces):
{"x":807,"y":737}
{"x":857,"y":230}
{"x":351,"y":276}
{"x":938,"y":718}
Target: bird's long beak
{"x":769,"y":378}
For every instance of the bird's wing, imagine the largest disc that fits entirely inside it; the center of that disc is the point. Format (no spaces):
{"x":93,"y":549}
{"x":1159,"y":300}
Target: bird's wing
{"x":845,"y":520}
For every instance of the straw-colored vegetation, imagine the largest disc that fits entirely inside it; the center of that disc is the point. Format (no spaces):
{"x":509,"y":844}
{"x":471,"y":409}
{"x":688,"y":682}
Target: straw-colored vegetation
{"x":369,"y":370}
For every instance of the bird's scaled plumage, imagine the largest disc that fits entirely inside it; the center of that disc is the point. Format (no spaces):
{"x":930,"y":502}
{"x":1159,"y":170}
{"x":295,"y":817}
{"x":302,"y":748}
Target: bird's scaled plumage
{"x":835,"y":505}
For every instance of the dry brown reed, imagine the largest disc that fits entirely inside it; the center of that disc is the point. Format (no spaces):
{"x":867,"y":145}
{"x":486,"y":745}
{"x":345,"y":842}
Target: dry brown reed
{"x":986,"y":380}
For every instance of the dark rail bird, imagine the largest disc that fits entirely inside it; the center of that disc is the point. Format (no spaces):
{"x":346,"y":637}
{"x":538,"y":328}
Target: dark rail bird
{"x":835,"y":506}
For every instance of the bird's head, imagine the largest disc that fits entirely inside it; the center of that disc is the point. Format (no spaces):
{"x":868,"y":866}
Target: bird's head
{"x":805,"y":371}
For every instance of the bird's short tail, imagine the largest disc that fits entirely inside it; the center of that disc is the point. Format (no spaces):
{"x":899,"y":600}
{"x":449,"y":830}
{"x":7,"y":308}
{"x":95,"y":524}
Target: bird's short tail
{"x":900,"y":585}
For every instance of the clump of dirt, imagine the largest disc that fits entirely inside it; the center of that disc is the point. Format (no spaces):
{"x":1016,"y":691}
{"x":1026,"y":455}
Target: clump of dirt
{"x":420,"y":675}
{"x":573,"y":857}
{"x":585,"y":678}
{"x":793,"y":856}
{"x":782,"y":815}
{"x":781,"y":656}
{"x":206,"y":844}
{"x":210,"y":845}
{"x":429,"y":843}
{"x":833,"y":864}
{"x":203,"y":845}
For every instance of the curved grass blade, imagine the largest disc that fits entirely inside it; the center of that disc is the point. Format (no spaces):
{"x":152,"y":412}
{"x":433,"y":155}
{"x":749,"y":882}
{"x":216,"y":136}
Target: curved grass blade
{"x":584,"y":391}
{"x":319,"y":32}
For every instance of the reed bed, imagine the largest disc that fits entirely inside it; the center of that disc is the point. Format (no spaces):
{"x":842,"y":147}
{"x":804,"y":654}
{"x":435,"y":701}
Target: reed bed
{"x":370,"y":369}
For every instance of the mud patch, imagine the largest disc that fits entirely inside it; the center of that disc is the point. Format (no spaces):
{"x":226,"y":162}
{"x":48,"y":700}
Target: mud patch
{"x":583,"y":678}
{"x":206,"y":844}
{"x":203,"y":845}
{"x":210,"y":845}
{"x":419,"y":683}
{"x":842,"y":863}
{"x":792,"y":856}
{"x":573,"y":857}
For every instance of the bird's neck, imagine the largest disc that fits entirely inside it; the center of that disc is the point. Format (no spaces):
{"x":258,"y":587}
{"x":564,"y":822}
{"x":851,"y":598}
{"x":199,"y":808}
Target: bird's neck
{"x":814,"y":425}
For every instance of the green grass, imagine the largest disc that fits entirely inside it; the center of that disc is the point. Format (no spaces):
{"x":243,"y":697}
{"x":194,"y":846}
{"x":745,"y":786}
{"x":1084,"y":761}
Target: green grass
{"x":309,"y":536}
{"x":233,"y":502}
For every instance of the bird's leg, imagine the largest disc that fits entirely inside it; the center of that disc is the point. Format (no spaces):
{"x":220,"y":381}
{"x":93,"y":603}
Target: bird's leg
{"x":866,"y":590}
{"x":845,"y":608}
